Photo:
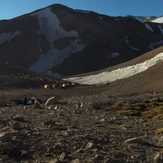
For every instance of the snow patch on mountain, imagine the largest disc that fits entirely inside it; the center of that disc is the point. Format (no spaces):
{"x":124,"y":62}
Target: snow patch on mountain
{"x":158,"y":20}
{"x":129,"y":45}
{"x":84,"y":11}
{"x":160,"y":29}
{"x":149,"y":27}
{"x":152,"y":45}
{"x":100,"y":18}
{"x":115,"y":54}
{"x":140,"y":18}
{"x":7,"y":37}
{"x":50,"y":27}
{"x":121,"y":73}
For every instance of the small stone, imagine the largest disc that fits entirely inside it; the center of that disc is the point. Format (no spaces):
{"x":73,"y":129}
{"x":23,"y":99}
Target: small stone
{"x":18,"y":118}
{"x":80,"y":150}
{"x":159,"y":131}
{"x":16,"y":126}
{"x":113,"y":118}
{"x":63,"y":156}
{"x":76,"y":161}
{"x":157,"y":158}
{"x":47,"y":154}
{"x":98,"y":158}
{"x":36,"y":133}
{"x":26,"y":107}
{"x":102,"y":120}
{"x":89,"y":145}
{"x":49,"y":122}
{"x":59,"y":146}
{"x":79,"y":105}
{"x":94,"y":150}
{"x":6,"y":136}
{"x":49,"y":107}
{"x":24,"y":153}
{"x":64,"y":133}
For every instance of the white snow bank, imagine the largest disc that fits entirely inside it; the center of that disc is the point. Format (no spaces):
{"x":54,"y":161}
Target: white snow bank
{"x":121,"y":73}
{"x":158,"y":20}
{"x":8,"y":36}
{"x":50,"y":27}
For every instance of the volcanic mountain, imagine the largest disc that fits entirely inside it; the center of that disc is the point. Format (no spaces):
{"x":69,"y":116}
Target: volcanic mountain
{"x":60,"y":41}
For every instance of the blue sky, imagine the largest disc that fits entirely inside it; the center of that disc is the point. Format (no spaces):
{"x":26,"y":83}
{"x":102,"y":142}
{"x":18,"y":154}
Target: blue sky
{"x":13,"y":8}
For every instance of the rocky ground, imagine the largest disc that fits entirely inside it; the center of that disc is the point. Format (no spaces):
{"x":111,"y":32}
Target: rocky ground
{"x":80,"y":125}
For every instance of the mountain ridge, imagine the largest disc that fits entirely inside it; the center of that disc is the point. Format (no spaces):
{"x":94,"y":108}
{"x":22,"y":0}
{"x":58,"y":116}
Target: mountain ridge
{"x":60,"y":41}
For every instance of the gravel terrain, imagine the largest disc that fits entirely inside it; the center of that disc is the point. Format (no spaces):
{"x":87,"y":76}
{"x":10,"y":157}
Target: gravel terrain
{"x":78,"y":125}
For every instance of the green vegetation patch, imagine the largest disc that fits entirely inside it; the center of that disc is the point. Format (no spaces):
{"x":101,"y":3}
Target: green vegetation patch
{"x":152,"y":108}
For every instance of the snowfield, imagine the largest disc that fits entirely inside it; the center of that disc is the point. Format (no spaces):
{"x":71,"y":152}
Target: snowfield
{"x":121,"y":73}
{"x":50,"y":27}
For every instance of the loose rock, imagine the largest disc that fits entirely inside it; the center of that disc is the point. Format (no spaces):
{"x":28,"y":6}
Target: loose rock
{"x":18,"y":118}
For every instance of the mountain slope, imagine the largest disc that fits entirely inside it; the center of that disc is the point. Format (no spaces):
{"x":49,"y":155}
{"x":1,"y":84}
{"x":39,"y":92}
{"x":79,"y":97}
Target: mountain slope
{"x":60,"y":41}
{"x":125,"y":70}
{"x":17,"y":77}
